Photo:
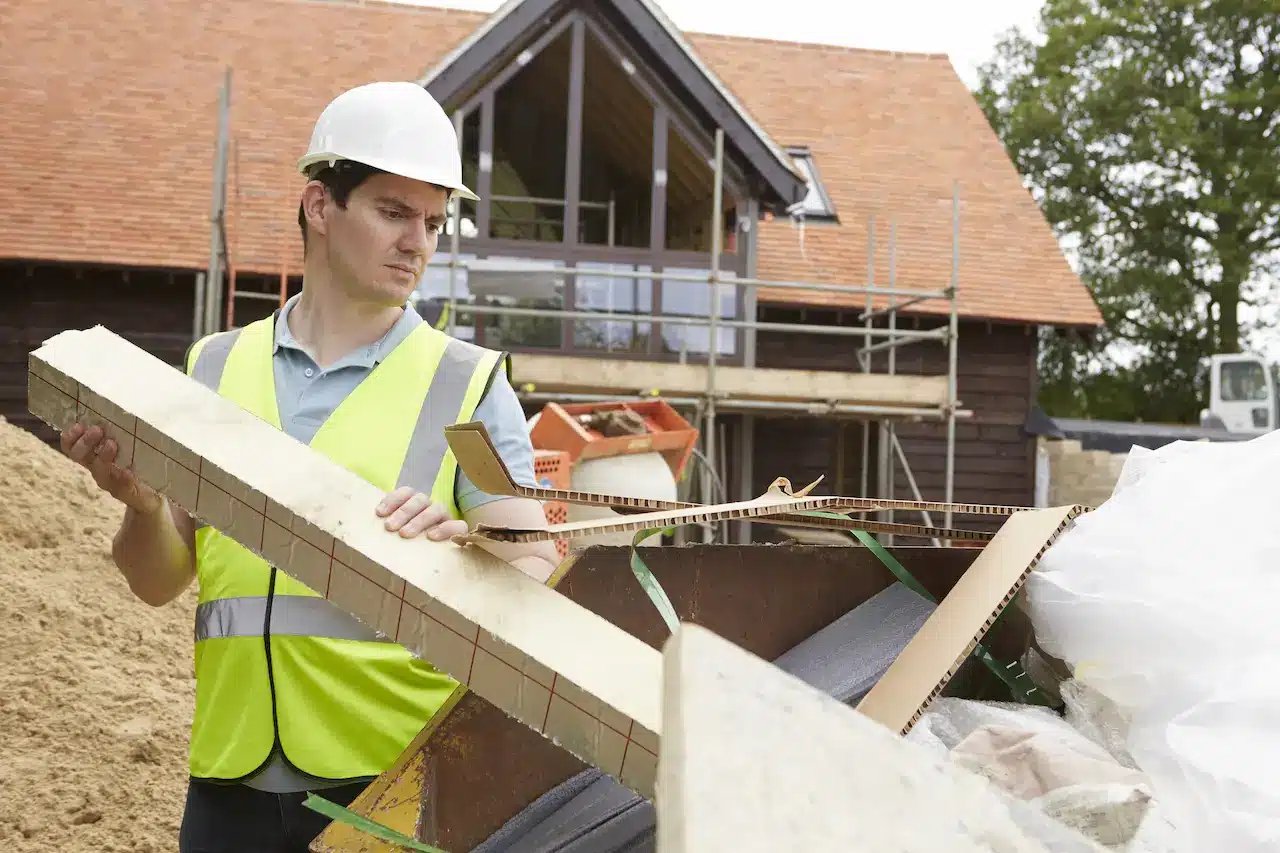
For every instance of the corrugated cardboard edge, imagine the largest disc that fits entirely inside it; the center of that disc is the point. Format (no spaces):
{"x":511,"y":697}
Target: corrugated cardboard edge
{"x":775,"y":506}
{"x":718,"y":512}
{"x":776,"y":500}
{"x":929,"y":662}
{"x":479,"y":460}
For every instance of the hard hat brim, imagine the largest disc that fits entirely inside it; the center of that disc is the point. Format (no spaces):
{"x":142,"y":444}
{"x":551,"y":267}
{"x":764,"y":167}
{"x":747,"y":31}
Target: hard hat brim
{"x":455,"y":188}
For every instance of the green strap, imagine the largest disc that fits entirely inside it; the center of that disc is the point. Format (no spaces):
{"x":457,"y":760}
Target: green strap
{"x":342,"y":815}
{"x":899,"y":571}
{"x":648,"y":582}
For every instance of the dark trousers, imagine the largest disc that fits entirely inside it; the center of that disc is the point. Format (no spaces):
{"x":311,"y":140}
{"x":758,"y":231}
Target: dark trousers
{"x":238,"y":819}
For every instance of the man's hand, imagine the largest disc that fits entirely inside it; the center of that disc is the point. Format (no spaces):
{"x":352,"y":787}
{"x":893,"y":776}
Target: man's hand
{"x":87,"y":448}
{"x":412,"y":513}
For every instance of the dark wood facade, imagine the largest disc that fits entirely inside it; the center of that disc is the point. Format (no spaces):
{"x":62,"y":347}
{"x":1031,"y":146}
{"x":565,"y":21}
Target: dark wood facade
{"x":150,"y":308}
{"x":996,"y":381}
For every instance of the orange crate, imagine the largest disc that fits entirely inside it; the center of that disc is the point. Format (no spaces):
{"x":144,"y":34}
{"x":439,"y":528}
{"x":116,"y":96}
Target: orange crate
{"x":669,"y":434}
{"x":551,"y":468}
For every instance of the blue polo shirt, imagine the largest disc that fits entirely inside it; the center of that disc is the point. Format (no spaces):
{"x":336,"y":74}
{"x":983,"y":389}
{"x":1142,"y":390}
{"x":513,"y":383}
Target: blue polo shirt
{"x":306,"y":395}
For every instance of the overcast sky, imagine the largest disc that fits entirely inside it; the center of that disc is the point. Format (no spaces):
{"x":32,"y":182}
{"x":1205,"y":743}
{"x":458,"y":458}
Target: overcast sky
{"x":965,"y":30}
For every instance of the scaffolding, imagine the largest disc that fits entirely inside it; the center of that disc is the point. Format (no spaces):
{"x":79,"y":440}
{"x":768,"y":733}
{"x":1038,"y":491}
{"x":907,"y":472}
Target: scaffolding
{"x":710,"y":403}
{"x":216,"y":310}
{"x":242,"y":207}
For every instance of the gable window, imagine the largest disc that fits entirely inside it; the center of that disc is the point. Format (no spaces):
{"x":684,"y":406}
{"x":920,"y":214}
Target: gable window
{"x":816,"y":204}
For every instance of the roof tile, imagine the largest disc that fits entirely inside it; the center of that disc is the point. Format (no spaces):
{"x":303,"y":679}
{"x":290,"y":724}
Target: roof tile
{"x":110,"y":117}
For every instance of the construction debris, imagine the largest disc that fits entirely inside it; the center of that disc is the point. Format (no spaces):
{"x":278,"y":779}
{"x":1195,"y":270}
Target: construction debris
{"x":753,"y":759}
{"x":617,"y":422}
{"x":1164,"y":604}
{"x":780,"y":504}
{"x":591,"y":813}
{"x":497,"y":782}
{"x":540,"y":664}
{"x":1035,"y":755}
{"x":848,"y":657}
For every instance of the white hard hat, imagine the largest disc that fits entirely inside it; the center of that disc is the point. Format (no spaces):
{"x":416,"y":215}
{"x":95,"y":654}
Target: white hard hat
{"x":396,"y":127}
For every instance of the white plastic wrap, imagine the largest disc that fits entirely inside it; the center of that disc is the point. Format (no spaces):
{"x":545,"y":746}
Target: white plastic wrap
{"x":1035,"y":756}
{"x":1164,"y":601}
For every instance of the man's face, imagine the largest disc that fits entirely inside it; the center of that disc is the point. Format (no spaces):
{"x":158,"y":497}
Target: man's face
{"x":378,"y":247}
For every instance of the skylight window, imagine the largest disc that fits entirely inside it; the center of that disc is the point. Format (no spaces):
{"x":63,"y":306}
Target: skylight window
{"x":816,"y":204}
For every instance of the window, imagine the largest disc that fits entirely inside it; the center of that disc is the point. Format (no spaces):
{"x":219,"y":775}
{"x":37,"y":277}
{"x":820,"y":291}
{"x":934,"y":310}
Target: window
{"x":432,"y":295}
{"x":693,"y":299}
{"x":1243,"y":381}
{"x":519,"y":283}
{"x":615,"y":295}
{"x":817,"y":204}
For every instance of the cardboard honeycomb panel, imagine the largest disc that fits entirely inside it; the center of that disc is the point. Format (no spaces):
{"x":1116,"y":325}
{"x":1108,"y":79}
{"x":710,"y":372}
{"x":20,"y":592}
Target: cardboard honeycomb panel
{"x":541,"y":658}
{"x":780,"y":505}
{"x":923,"y":669}
{"x":473,"y":448}
{"x":754,"y":759}
{"x":761,"y":510}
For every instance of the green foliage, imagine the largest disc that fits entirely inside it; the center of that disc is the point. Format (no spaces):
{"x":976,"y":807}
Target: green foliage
{"x":1149,"y":132}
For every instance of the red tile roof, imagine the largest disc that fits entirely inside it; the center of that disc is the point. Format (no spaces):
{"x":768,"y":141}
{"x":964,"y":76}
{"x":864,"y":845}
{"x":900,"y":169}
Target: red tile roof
{"x":110,"y":117}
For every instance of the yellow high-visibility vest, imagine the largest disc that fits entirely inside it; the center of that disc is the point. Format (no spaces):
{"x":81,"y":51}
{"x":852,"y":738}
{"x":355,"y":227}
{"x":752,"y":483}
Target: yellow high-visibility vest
{"x":274,"y":660}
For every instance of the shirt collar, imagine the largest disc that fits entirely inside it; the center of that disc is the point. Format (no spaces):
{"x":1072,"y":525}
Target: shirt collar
{"x":369,"y":356}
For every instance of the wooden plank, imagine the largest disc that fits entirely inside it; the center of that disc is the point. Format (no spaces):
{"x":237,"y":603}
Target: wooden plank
{"x":549,"y":663}
{"x":568,"y":374}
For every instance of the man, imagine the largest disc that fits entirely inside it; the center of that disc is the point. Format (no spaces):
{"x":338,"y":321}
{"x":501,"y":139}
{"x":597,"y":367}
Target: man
{"x":292,"y":694}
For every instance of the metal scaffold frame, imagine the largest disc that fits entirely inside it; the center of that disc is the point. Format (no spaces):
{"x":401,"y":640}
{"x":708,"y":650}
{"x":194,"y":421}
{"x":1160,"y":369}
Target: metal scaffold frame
{"x":889,"y":339}
{"x":213,"y":291}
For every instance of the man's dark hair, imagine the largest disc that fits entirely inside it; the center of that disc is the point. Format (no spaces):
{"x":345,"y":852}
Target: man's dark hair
{"x":340,"y":179}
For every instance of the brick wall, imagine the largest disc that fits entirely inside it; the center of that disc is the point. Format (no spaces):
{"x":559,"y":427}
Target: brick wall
{"x":1079,"y":476}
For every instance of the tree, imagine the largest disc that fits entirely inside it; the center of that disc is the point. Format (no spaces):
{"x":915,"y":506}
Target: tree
{"x":1149,"y":132}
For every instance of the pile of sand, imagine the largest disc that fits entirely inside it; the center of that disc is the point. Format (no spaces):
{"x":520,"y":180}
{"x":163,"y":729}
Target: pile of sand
{"x":96,"y":688}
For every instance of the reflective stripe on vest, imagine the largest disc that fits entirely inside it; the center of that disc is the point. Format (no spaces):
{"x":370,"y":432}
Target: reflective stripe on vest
{"x":339,"y":700}
{"x":210,"y":356}
{"x":291,"y":616}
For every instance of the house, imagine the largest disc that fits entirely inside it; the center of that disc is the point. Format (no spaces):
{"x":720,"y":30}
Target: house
{"x":590,"y":130}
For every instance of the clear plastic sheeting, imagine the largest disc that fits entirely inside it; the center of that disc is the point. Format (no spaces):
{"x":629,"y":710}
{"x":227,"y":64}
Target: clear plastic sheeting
{"x":1163,"y":600}
{"x":1035,"y":756}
